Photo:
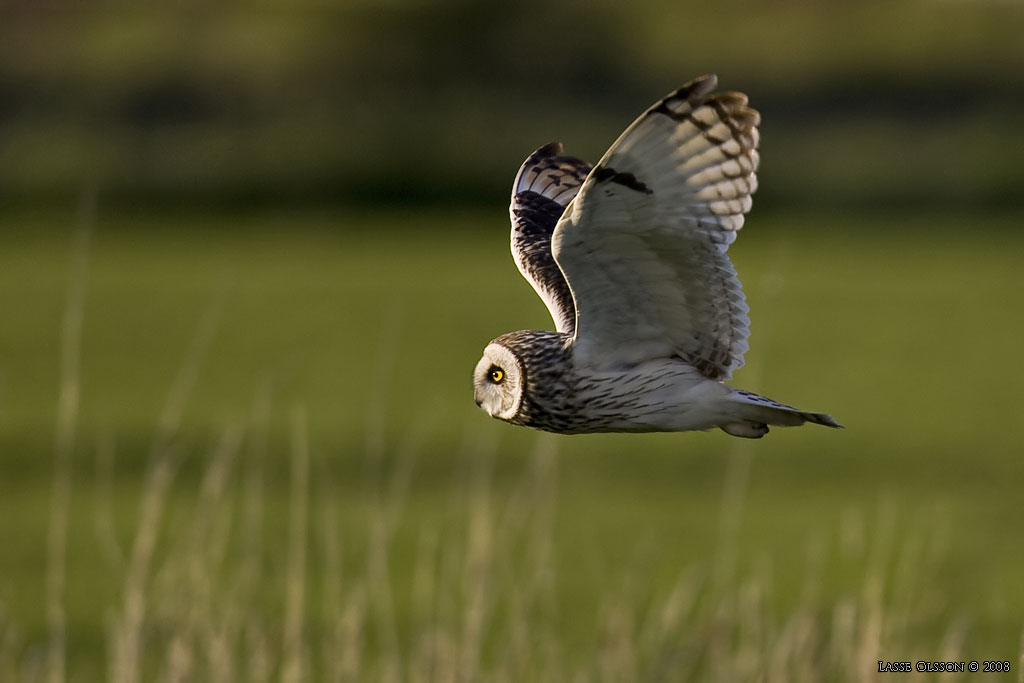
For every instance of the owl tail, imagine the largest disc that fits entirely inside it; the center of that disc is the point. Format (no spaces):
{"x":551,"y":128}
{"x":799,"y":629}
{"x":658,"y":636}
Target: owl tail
{"x":756,"y":412}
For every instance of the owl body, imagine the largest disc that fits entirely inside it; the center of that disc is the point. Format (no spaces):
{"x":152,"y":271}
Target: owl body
{"x":629,"y":256}
{"x":663,"y":395}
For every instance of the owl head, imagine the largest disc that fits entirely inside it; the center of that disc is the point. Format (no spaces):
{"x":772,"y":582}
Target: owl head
{"x":498,"y":382}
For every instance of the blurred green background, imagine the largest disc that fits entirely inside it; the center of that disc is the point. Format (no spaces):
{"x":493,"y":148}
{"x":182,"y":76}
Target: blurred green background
{"x":286,"y":229}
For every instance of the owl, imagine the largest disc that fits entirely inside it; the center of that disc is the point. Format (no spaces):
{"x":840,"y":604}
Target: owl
{"x":629,"y":256}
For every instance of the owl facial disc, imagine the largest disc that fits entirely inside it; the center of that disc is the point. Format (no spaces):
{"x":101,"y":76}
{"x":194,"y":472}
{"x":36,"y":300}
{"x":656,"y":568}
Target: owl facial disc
{"x":498,"y":382}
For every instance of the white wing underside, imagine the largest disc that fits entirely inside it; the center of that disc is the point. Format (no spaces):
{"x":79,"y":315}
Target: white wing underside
{"x":643,"y":244}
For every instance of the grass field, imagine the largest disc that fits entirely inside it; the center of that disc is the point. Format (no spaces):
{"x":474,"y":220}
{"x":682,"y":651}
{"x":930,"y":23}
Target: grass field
{"x":276,"y":470}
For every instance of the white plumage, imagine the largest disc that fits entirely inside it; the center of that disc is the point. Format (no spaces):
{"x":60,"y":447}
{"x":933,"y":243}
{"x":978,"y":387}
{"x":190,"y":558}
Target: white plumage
{"x":630,"y":258}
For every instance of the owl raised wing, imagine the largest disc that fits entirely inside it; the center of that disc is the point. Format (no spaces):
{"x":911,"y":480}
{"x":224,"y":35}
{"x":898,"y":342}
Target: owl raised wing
{"x":544,"y":186}
{"x":643,"y":244}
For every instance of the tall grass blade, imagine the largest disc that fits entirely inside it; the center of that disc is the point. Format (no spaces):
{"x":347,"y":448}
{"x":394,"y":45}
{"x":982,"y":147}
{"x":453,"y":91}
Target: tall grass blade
{"x":67,"y":420}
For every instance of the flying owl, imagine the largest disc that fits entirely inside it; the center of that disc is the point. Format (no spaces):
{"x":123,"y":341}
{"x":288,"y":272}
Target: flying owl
{"x":629,"y":256}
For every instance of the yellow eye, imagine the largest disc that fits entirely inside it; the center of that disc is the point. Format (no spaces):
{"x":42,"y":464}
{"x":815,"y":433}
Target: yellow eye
{"x":497,"y":375}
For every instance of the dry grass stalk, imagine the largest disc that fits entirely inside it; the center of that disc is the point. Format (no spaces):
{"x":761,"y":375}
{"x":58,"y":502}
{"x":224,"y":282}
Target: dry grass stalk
{"x":66,"y":427}
{"x":293,"y":655}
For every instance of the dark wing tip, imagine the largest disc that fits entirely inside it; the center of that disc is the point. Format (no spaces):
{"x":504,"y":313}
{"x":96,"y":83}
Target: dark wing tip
{"x":732,"y":105}
{"x":695,"y":89}
{"x":552,"y":149}
{"x":549,"y":173}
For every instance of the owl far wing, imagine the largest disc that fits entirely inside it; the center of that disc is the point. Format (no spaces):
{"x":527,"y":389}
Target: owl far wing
{"x":545,"y":184}
{"x":643,"y":244}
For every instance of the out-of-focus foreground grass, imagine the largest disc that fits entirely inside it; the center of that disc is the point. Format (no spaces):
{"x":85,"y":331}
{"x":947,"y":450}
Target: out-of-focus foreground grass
{"x":276,"y":466}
